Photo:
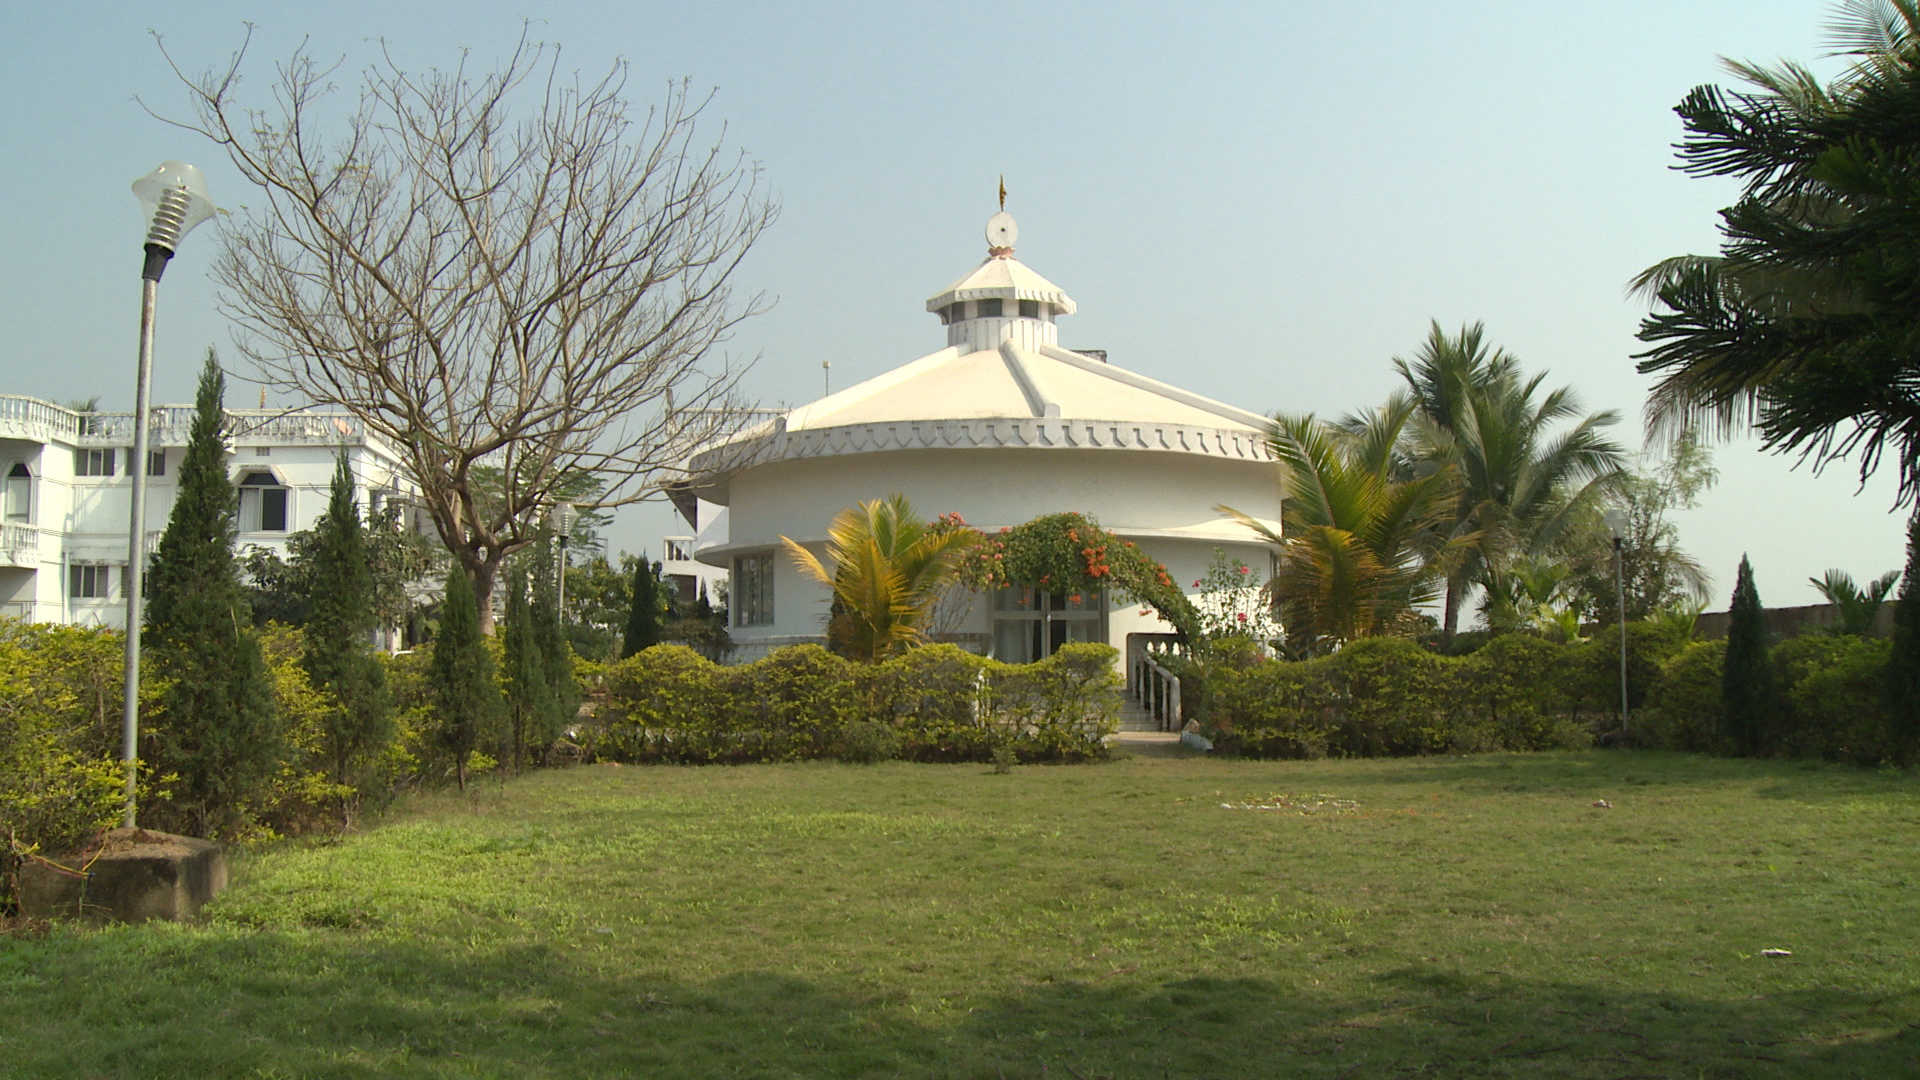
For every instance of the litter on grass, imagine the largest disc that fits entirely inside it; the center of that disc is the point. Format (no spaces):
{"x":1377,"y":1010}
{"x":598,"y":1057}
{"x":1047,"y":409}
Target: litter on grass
{"x":1298,"y":804}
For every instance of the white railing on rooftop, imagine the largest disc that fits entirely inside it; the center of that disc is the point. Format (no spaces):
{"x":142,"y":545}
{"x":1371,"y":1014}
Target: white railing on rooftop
{"x":32,"y":418}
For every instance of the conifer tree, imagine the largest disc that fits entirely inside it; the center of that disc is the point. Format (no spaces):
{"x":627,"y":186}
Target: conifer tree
{"x":556,"y":656}
{"x":1903,"y":665}
{"x":528,"y":697}
{"x":1746,"y":687}
{"x":221,"y":730}
{"x":643,"y":617}
{"x":461,"y":675}
{"x":339,"y":654}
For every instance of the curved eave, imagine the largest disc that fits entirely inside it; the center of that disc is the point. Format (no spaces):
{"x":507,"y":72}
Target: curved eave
{"x":1061,"y":303}
{"x":990,"y":433}
{"x":1222,"y":531}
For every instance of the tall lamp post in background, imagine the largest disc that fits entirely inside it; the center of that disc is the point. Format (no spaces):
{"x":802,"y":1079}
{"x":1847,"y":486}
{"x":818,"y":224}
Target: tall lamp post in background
{"x":562,"y":517}
{"x":1617,"y":528}
{"x":174,"y":197}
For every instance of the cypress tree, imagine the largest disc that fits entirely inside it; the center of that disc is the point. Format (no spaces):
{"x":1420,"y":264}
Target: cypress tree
{"x":526,"y":670}
{"x":1903,"y":665}
{"x":339,"y":654}
{"x":556,"y":656}
{"x":220,"y":731}
{"x":1746,"y":686}
{"x":643,"y":614}
{"x":461,"y":675}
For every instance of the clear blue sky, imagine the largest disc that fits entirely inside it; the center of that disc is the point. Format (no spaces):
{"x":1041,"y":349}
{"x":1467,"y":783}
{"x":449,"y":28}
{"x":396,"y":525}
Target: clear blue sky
{"x":1261,"y":204}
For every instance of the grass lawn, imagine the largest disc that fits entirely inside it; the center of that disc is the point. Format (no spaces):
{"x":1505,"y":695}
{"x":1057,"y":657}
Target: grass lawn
{"x":1449,"y":917}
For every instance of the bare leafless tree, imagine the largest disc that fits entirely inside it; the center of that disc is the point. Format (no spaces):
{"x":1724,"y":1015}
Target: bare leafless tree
{"x":509,"y":271}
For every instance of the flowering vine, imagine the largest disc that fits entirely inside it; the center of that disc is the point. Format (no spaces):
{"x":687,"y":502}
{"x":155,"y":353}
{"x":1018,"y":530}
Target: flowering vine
{"x":1070,"y":553}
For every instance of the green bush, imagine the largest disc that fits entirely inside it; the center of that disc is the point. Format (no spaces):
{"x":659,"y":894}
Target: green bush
{"x":1834,"y":701}
{"x":669,"y":704}
{"x":1683,"y":707}
{"x":1277,"y":709}
{"x":61,"y":782}
{"x":935,"y":698}
{"x":793,"y":704}
{"x":664,"y":703}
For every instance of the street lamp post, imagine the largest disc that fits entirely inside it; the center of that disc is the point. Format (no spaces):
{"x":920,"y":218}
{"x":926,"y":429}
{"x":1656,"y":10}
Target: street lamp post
{"x":1617,"y":528}
{"x":174,"y":198}
{"x":563,"y":516}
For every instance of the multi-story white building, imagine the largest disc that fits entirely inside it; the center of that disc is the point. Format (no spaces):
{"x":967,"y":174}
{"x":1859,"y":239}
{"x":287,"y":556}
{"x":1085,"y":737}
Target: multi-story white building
{"x":678,"y":568}
{"x":69,"y":493}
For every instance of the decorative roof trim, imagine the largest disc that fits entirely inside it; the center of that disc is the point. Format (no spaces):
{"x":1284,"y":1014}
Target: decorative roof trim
{"x":1030,"y":383}
{"x":988,"y":433}
{"x":1141,"y":382}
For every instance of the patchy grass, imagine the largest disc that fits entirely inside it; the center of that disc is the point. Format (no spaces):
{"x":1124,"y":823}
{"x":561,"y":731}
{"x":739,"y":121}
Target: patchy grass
{"x":1145,"y":918}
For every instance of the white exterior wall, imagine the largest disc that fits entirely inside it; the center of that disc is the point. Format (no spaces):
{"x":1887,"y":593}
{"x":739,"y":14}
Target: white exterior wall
{"x":83,"y":519}
{"x":1164,"y":502}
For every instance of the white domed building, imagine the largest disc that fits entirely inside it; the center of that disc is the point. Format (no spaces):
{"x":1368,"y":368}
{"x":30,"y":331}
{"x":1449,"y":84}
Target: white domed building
{"x":1003,"y":425}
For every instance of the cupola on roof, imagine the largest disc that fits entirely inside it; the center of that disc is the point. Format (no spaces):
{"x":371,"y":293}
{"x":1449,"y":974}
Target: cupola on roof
{"x":1003,"y":381}
{"x":1003,"y":277}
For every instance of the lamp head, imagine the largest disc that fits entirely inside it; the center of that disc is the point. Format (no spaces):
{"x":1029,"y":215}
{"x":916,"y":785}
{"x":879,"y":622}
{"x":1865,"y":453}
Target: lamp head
{"x":175,"y":200}
{"x":1616,"y":520}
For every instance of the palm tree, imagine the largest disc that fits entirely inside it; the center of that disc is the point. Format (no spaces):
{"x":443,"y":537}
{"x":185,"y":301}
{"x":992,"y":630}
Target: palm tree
{"x":1358,"y":542}
{"x":1522,"y":482}
{"x":1801,"y":327}
{"x":889,"y":569}
{"x":1857,"y":607}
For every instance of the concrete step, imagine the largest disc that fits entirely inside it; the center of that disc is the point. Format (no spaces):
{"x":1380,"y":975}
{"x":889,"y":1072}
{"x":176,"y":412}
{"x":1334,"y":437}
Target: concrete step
{"x":1135,"y":718}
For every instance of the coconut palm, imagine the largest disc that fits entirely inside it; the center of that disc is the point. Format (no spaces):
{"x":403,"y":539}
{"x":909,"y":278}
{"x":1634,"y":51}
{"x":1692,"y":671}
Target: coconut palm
{"x":1358,"y":544}
{"x":1856,"y":606}
{"x":889,"y":569}
{"x":1524,"y":478}
{"x":1801,"y":327}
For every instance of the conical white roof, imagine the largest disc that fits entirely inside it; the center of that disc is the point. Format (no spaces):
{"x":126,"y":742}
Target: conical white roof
{"x":1005,"y":277}
{"x":1002,"y":382}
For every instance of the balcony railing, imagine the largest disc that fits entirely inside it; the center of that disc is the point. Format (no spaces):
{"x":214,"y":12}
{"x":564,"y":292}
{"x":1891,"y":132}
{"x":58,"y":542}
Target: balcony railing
{"x":31,"y":418}
{"x":19,"y":545}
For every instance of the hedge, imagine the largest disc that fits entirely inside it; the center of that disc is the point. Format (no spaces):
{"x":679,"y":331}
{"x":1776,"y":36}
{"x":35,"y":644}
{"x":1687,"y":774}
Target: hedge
{"x":1388,"y":696}
{"x":667,"y":703}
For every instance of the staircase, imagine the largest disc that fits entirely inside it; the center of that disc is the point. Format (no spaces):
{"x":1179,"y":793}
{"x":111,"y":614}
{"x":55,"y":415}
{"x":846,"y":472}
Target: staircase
{"x":1135,"y":717}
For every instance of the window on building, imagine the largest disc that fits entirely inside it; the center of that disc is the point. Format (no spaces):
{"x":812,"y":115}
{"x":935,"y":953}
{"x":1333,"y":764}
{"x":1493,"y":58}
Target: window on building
{"x":94,"y":462}
{"x":156,"y":462}
{"x":263,"y":503}
{"x":89,"y":581}
{"x":953,"y":313}
{"x":1029,"y":309}
{"x":987,"y":309}
{"x":19,"y":497}
{"x":1030,"y":625}
{"x":679,"y":549}
{"x":752,"y":596}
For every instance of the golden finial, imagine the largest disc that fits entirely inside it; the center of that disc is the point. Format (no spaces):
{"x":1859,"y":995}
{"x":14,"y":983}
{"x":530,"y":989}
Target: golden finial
{"x":1003,"y":191}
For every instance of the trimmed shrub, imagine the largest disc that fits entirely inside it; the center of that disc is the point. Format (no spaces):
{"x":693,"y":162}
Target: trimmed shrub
{"x":1833,"y":704}
{"x":793,"y":704}
{"x":934,"y":697}
{"x":61,"y":782}
{"x":1683,"y":707}
{"x":937,"y":703}
{"x":664,"y":703}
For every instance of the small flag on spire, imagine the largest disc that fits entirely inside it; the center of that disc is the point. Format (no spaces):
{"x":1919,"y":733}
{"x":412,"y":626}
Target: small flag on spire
{"x":1003,"y":191}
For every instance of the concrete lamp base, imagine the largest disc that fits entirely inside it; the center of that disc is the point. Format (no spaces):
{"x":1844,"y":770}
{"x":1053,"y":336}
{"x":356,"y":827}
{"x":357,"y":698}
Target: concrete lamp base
{"x":137,"y":875}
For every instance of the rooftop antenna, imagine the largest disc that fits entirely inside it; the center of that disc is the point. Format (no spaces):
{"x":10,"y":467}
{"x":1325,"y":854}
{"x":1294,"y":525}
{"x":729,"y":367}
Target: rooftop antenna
{"x":826,"y":376}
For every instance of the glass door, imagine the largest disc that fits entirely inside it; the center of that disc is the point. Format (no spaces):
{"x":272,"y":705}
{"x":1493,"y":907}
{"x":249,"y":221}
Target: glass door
{"x":1030,"y":624}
